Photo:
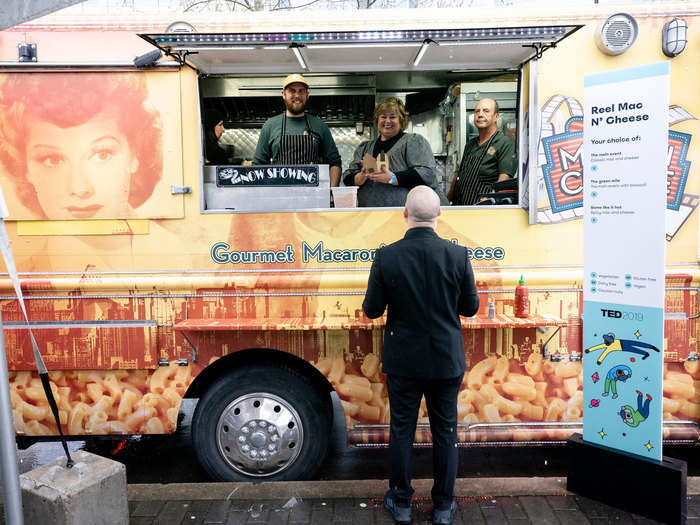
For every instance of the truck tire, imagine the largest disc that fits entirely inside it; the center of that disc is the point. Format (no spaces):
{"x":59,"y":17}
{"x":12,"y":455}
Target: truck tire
{"x":261,"y":423}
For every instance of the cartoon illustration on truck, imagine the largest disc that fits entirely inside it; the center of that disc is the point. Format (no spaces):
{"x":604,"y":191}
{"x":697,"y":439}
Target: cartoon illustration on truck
{"x":151,"y":275}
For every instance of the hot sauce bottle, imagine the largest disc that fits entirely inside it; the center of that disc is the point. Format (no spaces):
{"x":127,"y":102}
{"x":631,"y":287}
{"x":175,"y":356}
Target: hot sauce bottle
{"x":522,"y":302}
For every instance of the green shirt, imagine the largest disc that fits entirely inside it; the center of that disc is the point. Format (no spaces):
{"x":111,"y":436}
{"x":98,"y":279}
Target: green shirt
{"x":269,"y":141}
{"x":499,"y":158}
{"x":637,"y":418}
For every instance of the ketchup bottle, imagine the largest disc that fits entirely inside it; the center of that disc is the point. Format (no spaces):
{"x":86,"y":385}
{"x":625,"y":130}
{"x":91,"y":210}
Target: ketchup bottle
{"x":522,"y":302}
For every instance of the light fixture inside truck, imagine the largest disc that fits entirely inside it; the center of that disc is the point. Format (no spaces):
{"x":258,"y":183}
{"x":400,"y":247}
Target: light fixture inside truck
{"x":297,"y":53}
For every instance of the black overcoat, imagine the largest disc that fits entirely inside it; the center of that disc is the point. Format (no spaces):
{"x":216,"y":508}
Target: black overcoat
{"x":427,"y":283}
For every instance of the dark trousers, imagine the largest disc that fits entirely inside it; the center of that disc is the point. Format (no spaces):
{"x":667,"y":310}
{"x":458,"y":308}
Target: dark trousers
{"x":404,"y":401}
{"x":643,"y":408}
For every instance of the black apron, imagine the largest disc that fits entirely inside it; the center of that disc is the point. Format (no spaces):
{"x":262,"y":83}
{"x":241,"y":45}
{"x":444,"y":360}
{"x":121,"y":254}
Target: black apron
{"x":298,"y":149}
{"x":469,"y":185}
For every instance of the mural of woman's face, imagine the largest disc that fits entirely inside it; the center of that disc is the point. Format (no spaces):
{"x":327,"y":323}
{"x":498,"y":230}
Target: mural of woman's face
{"x":81,"y":172}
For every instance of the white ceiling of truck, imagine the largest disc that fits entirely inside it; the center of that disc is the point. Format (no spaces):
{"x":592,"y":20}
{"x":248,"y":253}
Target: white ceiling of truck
{"x":357,"y":51}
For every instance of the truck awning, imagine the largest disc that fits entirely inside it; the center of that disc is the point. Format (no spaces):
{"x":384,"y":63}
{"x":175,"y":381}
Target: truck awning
{"x":361,"y":51}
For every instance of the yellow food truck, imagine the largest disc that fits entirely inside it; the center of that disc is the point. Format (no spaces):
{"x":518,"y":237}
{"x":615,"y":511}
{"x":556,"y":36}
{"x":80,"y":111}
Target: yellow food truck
{"x":151,"y":275}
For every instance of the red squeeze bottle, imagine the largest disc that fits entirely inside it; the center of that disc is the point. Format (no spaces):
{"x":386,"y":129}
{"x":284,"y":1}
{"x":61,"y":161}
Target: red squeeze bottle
{"x":522,"y":302}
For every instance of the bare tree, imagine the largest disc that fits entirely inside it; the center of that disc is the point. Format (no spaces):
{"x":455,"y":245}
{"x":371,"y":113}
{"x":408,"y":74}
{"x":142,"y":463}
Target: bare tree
{"x":281,"y":7}
{"x":246,"y":5}
{"x":214,"y":6}
{"x":445,"y":3}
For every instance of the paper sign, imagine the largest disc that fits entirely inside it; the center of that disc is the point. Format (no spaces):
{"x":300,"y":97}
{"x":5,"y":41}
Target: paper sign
{"x":306,"y":175}
{"x":626,"y":144}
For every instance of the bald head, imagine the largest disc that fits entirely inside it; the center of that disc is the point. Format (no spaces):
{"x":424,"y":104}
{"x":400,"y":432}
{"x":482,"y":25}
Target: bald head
{"x":422,"y":207}
{"x":488,"y":102}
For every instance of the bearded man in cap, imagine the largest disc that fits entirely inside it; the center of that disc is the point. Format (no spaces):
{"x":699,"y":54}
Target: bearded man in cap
{"x":296,"y":137}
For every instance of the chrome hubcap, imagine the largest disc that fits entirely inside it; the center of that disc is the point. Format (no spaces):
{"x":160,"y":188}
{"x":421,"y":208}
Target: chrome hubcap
{"x":259,"y":434}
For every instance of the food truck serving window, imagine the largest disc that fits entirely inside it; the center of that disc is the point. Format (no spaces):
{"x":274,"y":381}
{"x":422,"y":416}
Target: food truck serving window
{"x":434,"y":80}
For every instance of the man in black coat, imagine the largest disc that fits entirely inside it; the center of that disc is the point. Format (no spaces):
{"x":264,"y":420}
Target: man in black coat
{"x":427,"y":283}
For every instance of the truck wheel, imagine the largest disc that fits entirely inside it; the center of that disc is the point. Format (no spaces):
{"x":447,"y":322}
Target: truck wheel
{"x":261,"y":423}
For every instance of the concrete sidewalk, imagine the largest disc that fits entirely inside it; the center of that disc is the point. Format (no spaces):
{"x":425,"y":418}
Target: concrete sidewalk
{"x":481,"y":501}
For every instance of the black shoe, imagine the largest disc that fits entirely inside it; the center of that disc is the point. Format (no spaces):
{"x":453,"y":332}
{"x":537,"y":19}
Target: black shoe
{"x":400,"y":513}
{"x":444,"y":517}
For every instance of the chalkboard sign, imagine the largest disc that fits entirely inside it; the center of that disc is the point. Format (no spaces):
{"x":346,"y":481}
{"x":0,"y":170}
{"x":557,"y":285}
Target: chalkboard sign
{"x":239,"y":176}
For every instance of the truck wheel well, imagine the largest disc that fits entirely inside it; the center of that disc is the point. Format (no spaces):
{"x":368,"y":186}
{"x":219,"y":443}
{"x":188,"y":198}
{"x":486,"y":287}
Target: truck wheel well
{"x":251,"y":356}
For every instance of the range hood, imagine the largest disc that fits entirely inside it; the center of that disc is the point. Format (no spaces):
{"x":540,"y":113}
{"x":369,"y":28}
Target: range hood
{"x":271,"y":85}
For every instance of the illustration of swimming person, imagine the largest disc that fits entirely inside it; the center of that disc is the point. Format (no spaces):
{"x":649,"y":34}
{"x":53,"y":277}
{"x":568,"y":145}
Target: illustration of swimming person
{"x":611,"y":344}
{"x":633,"y":417}
{"x":615,"y":374}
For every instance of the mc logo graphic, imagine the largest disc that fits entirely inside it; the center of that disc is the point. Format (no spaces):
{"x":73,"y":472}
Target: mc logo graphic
{"x":677,"y":168}
{"x":563,"y":173}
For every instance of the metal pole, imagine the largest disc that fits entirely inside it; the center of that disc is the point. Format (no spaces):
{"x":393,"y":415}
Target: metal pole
{"x":11,"y":494}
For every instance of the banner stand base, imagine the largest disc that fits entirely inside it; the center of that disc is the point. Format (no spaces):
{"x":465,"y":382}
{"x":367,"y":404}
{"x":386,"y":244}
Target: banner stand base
{"x":654,"y":490}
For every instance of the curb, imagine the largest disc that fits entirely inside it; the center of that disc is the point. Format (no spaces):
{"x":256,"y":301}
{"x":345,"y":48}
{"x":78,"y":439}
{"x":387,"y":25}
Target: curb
{"x":464,"y":487}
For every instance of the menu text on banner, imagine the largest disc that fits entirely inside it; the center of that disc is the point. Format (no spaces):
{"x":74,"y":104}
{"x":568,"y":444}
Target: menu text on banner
{"x":625,"y":144}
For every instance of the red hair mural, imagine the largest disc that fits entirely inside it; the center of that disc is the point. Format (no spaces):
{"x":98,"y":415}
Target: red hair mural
{"x":80,"y":146}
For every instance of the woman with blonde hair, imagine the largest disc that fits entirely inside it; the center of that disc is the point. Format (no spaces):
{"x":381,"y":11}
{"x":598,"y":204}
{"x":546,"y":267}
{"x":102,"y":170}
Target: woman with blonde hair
{"x":410,"y":159}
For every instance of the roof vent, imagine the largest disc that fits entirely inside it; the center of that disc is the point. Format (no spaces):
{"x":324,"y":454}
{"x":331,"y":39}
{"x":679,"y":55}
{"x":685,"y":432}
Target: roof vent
{"x":180,"y":27}
{"x":616,"y":35}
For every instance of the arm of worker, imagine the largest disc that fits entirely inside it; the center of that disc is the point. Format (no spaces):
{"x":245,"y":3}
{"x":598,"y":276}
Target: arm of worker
{"x":420,"y":161}
{"x":507,"y":161}
{"x":375,"y":297}
{"x":384,"y":176}
{"x":418,"y":156}
{"x":468,"y":297}
{"x":335,"y":172}
{"x":355,"y":174}
{"x":411,"y":177}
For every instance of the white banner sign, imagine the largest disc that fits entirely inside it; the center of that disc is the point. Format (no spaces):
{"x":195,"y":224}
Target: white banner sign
{"x":625,"y":185}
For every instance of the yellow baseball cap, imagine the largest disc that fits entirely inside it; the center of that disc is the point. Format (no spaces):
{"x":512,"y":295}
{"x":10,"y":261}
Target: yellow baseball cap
{"x":294,"y":77}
